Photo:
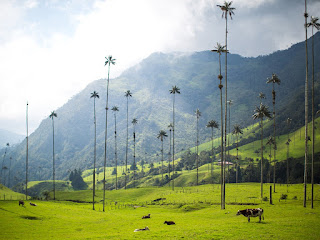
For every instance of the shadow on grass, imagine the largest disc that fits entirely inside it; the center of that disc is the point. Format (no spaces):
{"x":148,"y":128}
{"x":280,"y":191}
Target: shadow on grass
{"x":30,"y":217}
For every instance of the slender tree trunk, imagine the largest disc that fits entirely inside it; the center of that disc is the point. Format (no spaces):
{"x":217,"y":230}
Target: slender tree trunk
{"x":306,"y":111}
{"x":27,"y":153}
{"x":54,"y":171}
{"x":261,"y":158}
{"x":162,"y":158}
{"x":313,"y":138}
{"x":173,"y":127}
{"x":197,"y":156}
{"x":105,"y":145}
{"x":274,"y":136}
{"x":225,"y":113}
{"x":287,"y":167}
{"x":115,"y":148}
{"x":126,"y":172}
{"x":212,"y":154}
{"x":95,"y":152}
{"x":169,"y":158}
{"x":237,"y":163}
{"x":134,"y":158}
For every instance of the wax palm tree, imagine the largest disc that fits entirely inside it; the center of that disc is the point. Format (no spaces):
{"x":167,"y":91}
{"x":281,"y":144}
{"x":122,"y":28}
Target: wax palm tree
{"x":27,"y":148}
{"x":52,"y":116}
{"x":162,"y":134}
{"x":4,"y":157}
{"x":226,"y":10}
{"x":306,"y":109}
{"x":236,"y":131}
{"x":230,"y":102}
{"x":261,"y":96}
{"x":288,"y":143}
{"x":313,"y":24}
{"x":128,"y":94}
{"x":94,"y":95}
{"x":274,"y":80}
{"x":220,"y":49}
{"x":170,"y":129}
{"x":198,"y":115}
{"x":175,"y":90}
{"x":261,"y":112}
{"x":115,"y":109}
{"x":134,"y":123}
{"x":108,"y":62}
{"x":212,"y":124}
{"x":271,"y":143}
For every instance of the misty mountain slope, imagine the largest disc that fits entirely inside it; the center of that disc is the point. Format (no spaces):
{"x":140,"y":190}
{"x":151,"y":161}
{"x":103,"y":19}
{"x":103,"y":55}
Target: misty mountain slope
{"x":151,"y":103}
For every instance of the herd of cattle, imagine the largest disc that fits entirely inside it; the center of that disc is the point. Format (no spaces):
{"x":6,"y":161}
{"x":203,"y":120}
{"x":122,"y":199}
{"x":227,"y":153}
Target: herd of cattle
{"x":255,"y":212}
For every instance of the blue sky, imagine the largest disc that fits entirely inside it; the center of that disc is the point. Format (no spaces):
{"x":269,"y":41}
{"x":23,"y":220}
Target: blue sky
{"x":51,"y":49}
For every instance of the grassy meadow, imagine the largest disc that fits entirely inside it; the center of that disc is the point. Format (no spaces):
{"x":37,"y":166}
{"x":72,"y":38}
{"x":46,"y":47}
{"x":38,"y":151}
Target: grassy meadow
{"x":195,"y":210}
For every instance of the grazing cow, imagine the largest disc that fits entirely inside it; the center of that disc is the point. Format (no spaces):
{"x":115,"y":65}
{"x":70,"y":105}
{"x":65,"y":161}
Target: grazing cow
{"x":141,"y":229}
{"x":169,"y":222}
{"x":252,"y":213}
{"x":147,"y":216}
{"x":21,"y":203}
{"x":33,"y":204}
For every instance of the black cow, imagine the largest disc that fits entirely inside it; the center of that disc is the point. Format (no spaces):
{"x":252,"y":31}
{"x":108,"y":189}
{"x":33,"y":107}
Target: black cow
{"x":252,"y":213}
{"x":21,"y":203}
{"x":169,"y":222}
{"x":33,"y":204}
{"x":147,"y":216}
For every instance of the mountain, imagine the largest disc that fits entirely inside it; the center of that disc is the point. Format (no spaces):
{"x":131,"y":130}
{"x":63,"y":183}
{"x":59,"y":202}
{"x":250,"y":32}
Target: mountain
{"x":9,"y":137}
{"x":149,"y":81}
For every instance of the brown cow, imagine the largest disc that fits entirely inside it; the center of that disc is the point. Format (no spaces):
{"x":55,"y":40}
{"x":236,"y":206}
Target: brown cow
{"x":252,"y":213}
{"x":169,"y":222}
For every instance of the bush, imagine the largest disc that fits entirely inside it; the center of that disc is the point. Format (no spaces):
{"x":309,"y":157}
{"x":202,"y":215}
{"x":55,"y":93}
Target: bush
{"x":265,"y":199}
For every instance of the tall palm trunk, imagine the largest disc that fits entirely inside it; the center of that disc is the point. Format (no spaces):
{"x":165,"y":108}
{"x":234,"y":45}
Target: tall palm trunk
{"x":105,"y":145}
{"x":237,"y":163}
{"x":306,"y":111}
{"x":222,"y":147}
{"x":225,"y":111}
{"x":173,"y":127}
{"x":53,"y":160}
{"x":162,"y":159}
{"x":95,"y":152}
{"x":197,"y":156}
{"x":27,"y":150}
{"x":127,"y":143}
{"x":134,"y":158}
{"x":274,"y":136}
{"x":212,"y":153}
{"x":313,"y":138}
{"x":169,"y":157}
{"x":115,"y":148}
{"x":261,"y":158}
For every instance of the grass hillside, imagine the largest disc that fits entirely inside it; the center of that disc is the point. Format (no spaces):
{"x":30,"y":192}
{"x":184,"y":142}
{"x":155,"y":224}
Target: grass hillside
{"x":195,"y":210}
{"x":7,"y":193}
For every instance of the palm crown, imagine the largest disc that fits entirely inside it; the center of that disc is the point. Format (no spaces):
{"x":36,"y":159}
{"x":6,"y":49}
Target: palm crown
{"x":128,"y":94}
{"x":198,"y":113}
{"x":134,"y":121}
{"x":115,"y":109}
{"x":174,"y":90}
{"x":53,"y":114}
{"x":94,"y":95}
{"x":274,"y":79}
{"x":162,"y":134}
{"x":237,"y":129}
{"x":261,"y":112}
{"x":110,"y":60}
{"x":227,"y":9}
{"x":212,"y":124}
{"x":219,"y":49}
{"x":314,"y":23}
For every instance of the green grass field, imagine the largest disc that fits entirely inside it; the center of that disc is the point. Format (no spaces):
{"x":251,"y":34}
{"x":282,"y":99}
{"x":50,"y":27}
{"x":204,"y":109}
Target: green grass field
{"x":195,"y":210}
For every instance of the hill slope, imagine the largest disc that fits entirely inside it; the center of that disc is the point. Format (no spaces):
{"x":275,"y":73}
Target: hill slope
{"x":151,"y":104}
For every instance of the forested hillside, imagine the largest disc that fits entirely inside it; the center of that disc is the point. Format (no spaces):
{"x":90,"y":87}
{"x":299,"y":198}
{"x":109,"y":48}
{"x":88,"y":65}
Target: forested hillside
{"x":151,"y":103}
